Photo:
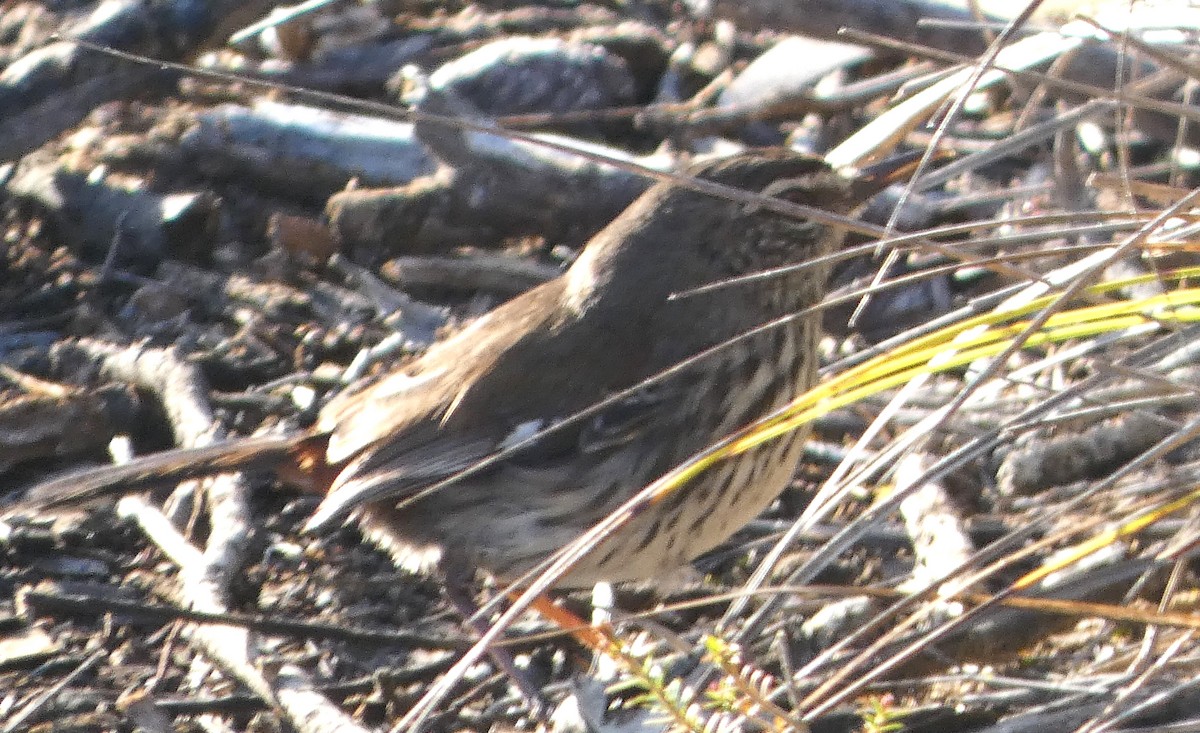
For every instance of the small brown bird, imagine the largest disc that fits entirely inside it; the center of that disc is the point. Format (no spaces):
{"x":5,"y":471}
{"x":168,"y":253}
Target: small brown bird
{"x":608,"y":323}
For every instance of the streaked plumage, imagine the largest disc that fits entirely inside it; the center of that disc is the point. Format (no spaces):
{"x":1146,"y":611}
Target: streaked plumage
{"x":607,"y":323}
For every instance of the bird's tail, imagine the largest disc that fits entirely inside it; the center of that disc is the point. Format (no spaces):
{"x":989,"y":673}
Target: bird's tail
{"x":173,"y":466}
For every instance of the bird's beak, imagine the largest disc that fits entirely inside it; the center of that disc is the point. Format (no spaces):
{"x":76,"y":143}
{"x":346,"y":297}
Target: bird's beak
{"x":872,"y":179}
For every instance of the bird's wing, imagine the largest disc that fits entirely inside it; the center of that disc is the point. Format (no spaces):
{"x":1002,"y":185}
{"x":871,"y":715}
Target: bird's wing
{"x":484,"y":390}
{"x":400,"y":470}
{"x":410,"y":410}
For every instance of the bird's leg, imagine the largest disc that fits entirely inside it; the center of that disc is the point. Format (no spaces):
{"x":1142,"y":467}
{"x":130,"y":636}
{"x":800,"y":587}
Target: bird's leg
{"x":458,"y":592}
